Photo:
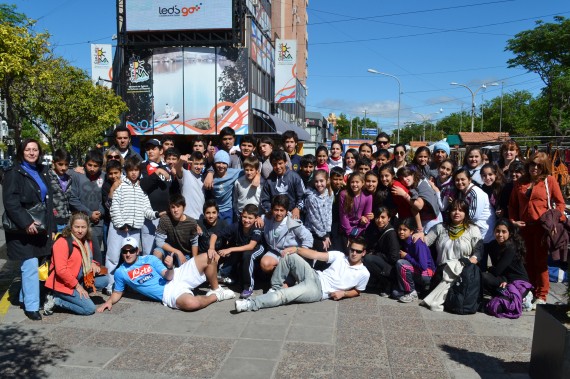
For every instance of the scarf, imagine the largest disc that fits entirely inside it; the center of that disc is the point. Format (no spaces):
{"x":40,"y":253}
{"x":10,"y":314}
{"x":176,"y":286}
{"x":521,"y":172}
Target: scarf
{"x":88,"y":277}
{"x":456,"y":231}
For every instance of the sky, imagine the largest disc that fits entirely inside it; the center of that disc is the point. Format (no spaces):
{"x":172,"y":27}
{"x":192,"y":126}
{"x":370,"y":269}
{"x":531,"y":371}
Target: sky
{"x":425,"y":44}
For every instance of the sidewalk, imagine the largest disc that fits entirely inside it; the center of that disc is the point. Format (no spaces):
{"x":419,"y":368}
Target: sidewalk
{"x":368,"y":336}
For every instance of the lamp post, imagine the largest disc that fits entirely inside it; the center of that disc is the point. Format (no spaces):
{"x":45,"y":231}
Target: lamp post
{"x":426,"y":117}
{"x":372,"y":71}
{"x":364,"y":123}
{"x":473,"y":93}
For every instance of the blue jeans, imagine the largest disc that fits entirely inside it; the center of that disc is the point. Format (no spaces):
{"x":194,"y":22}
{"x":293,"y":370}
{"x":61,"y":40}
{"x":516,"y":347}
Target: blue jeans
{"x":148,"y":232}
{"x":227,"y":215}
{"x":308,"y":290}
{"x":76,"y":304}
{"x":30,"y":292}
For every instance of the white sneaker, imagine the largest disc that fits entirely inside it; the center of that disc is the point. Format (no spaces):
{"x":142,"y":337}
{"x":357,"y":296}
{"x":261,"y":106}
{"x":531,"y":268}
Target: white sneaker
{"x":537,"y":302}
{"x":222,"y":293}
{"x":527,"y":302}
{"x":243,"y":305}
{"x":49,"y":305}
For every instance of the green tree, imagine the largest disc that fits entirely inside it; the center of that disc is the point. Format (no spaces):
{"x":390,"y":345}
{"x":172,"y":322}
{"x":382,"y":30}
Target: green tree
{"x":544,"y":51}
{"x":410,"y":131}
{"x":343,"y":126}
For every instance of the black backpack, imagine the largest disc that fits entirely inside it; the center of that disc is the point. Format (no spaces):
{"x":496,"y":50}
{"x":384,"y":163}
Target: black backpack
{"x":466,"y":292}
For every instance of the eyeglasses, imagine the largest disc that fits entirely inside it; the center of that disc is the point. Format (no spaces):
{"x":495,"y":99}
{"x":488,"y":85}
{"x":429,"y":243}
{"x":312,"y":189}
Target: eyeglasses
{"x":356,"y":251}
{"x":534,"y":164}
{"x":383,"y":142}
{"x":400,"y":153}
{"x":129,"y":251}
{"x":117,"y":157}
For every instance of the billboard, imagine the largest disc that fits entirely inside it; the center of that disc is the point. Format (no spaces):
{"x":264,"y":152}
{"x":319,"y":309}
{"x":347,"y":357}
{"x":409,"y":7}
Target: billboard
{"x":285,"y":71}
{"x":192,"y":91}
{"x":102,"y":64}
{"x":156,"y":15}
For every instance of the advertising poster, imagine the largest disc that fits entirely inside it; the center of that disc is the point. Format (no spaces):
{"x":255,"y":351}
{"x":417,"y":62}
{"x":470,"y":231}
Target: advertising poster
{"x":156,"y":15}
{"x":102,"y":64}
{"x":190,"y":91}
{"x":285,"y":71}
{"x":138,"y":92}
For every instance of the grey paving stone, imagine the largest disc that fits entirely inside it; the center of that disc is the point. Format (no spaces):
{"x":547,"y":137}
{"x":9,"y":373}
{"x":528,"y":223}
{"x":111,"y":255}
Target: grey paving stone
{"x":356,"y":323}
{"x":450,"y":327}
{"x":272,"y":317}
{"x":307,"y":318}
{"x":264,"y":331}
{"x":223,"y":330}
{"x":399,"y":310}
{"x":416,"y":359}
{"x":67,"y":337}
{"x":56,"y":318}
{"x":523,"y":326}
{"x":357,"y":305}
{"x":260,"y":349}
{"x":415,"y":340}
{"x":411,"y":373}
{"x":140,"y":359}
{"x":409,"y":325}
{"x":298,"y":351}
{"x":117,"y":340}
{"x":311,"y":334}
{"x":162,"y":342}
{"x":84,"y":356}
{"x":464,"y":373}
{"x":247,"y":368}
{"x":185,"y":361}
{"x":321,"y":306}
{"x":361,"y":371}
{"x":176,"y":327}
{"x":355,"y":352}
{"x":462,"y":342}
{"x":507,"y":344}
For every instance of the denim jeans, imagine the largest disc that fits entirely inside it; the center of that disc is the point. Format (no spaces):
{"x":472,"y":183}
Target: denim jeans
{"x":113,"y":254}
{"x":76,"y":304}
{"x":148,"y":232}
{"x":30,"y":292}
{"x":308,"y":290}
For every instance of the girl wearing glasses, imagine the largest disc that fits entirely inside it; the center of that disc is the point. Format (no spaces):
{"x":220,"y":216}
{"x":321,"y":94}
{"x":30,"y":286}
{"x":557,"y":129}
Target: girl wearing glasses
{"x":112,"y":153}
{"x":399,"y":160}
{"x":74,"y":272}
{"x":533,"y":195}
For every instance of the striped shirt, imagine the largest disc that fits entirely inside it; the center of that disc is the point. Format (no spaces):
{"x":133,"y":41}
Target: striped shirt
{"x":318,"y":212}
{"x":130,"y":206}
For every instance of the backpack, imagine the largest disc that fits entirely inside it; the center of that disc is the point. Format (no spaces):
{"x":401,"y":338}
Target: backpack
{"x":466,"y":292}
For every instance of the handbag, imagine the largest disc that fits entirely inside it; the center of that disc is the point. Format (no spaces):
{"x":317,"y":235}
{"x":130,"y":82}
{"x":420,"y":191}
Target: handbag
{"x":43,"y":271}
{"x":38,"y":213}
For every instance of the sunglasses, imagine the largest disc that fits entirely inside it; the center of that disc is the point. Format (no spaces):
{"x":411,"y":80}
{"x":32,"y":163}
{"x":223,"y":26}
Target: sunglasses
{"x":117,"y":157}
{"x":356,"y":251}
{"x":129,"y":251}
{"x":400,"y":153}
{"x":383,"y":142}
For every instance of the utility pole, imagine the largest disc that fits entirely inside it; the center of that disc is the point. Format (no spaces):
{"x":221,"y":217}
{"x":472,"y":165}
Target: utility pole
{"x":501,"y":114}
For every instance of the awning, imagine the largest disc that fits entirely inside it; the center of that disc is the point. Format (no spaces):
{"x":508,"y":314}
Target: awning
{"x":280,"y":126}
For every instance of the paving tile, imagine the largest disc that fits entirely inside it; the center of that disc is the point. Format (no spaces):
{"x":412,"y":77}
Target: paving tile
{"x":260,"y":349}
{"x":423,"y":373}
{"x":321,"y":306}
{"x":508,"y":344}
{"x":399,"y":310}
{"x":56,"y":318}
{"x":492,"y":326}
{"x":460,"y":360}
{"x":465,"y":342}
{"x":264,"y":331}
{"x":247,"y":368}
{"x":464,"y":373}
{"x":118,"y":340}
{"x":359,"y":372}
{"x":356,"y":350}
{"x":416,"y":359}
{"x":415,"y":340}
{"x":406,"y":325}
{"x":88,"y":356}
{"x":183,"y":361}
{"x":357,"y":306}
{"x":450,"y":327}
{"x":142,"y":359}
{"x":162,"y":342}
{"x":307,"y":318}
{"x":66,"y":337}
{"x":222,"y":330}
{"x":305,"y":370}
{"x":273,"y":318}
{"x":176,"y":327}
{"x":301,"y":351}
{"x":310,"y":334}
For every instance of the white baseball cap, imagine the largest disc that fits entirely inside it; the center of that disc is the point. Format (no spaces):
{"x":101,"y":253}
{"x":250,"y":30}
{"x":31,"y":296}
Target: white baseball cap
{"x":130,"y":241}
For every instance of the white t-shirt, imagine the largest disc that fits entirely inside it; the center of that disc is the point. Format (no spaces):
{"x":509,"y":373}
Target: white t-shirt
{"x":341,"y":276}
{"x":191,"y":188}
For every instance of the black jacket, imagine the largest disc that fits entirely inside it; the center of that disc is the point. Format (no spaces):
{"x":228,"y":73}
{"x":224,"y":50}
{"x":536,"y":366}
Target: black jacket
{"x":20,"y":191}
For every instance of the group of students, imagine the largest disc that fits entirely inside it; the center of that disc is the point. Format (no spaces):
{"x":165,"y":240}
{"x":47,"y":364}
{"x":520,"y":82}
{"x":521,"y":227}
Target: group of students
{"x":327,"y":225}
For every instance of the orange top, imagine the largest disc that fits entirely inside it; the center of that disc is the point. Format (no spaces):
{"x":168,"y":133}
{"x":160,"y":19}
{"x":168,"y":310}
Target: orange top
{"x":529,"y":209}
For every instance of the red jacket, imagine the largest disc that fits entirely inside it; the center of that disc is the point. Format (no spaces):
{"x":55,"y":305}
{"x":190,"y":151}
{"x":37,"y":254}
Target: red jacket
{"x":64,"y":267}
{"x":522,"y":208}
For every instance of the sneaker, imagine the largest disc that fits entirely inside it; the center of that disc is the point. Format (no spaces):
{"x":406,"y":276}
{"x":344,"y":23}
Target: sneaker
{"x":107,"y":291}
{"x":222,"y":293}
{"x":225,"y":279}
{"x":409,"y":297}
{"x":245,"y":294}
{"x":384,"y":294}
{"x":538,"y":302}
{"x":49,"y":305}
{"x":396,"y":294}
{"x":243,"y":305}
{"x":527,"y":302}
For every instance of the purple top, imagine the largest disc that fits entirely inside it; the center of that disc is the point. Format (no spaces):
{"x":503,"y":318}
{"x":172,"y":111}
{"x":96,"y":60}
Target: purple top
{"x":361,"y":205}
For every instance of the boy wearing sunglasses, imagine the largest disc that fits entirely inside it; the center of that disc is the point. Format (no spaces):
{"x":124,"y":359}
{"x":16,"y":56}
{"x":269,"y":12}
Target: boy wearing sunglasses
{"x":345,"y":277}
{"x":159,"y":281}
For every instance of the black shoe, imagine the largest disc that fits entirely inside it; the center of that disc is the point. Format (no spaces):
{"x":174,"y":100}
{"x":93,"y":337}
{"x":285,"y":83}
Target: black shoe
{"x":35,"y":315}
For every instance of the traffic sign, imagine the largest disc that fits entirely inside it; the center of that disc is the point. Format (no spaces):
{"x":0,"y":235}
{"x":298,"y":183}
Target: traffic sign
{"x":369,"y":132}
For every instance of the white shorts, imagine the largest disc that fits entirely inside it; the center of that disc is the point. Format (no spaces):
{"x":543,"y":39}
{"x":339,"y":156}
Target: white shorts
{"x":186,"y":278}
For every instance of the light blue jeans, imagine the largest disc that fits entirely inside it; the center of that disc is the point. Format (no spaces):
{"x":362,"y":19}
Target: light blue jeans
{"x":308,"y":289}
{"x":30,"y":292}
{"x":76,"y":304}
{"x":148,"y":232}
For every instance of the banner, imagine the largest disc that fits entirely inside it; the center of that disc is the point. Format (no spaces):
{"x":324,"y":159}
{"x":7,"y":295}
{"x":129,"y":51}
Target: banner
{"x":138,"y":95}
{"x":156,"y":15}
{"x":101,"y":64}
{"x":285,"y":71}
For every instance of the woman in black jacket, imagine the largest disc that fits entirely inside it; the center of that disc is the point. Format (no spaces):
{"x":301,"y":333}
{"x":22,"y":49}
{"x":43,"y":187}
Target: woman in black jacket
{"x":383,"y":252}
{"x":26,"y":185}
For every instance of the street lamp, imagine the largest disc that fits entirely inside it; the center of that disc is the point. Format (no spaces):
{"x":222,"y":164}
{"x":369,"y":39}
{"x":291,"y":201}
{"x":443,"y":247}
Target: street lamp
{"x":372,"y":71}
{"x":426,"y":117}
{"x":473,"y":93}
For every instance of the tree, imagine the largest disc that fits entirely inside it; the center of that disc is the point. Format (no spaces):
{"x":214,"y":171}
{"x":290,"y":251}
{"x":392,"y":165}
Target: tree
{"x":410,"y":131}
{"x":343,"y":126}
{"x":544,"y":51}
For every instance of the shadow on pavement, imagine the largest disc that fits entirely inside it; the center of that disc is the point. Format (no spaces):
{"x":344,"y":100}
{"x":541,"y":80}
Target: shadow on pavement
{"x":485,"y":365}
{"x":26,"y":354}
